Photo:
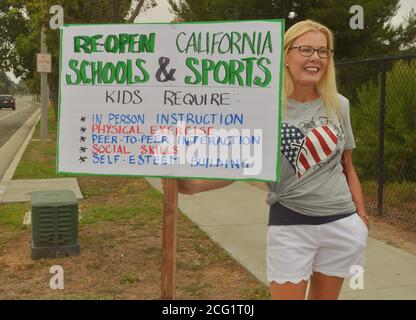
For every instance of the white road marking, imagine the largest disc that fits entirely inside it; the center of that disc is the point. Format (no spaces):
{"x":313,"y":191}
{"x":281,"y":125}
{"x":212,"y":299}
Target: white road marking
{"x":9,"y":115}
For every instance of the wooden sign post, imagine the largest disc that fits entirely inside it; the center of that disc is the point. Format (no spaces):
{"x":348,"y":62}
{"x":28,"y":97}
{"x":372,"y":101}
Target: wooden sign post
{"x":170,"y":217}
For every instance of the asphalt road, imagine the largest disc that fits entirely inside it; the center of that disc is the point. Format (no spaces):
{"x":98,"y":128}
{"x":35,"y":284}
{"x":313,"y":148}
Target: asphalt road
{"x":11,"y":120}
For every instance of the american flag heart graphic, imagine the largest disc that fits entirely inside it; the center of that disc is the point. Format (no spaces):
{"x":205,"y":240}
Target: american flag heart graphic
{"x":303,"y":152}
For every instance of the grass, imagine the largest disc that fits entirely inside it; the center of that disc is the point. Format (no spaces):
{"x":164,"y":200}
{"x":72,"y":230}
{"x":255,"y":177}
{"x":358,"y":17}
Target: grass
{"x":12,"y":215}
{"x":11,"y":222}
{"x":39,"y":158}
{"x":120,"y":236}
{"x":129,"y":278}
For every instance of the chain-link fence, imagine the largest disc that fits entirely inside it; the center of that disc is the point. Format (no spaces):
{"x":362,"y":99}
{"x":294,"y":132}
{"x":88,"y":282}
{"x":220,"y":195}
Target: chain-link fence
{"x":382,"y":94}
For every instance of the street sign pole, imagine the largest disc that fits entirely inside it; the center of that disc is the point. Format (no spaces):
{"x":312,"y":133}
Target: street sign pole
{"x":44,"y":93}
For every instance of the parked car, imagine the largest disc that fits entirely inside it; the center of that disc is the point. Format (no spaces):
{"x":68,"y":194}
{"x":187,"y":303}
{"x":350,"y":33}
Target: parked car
{"x":7,"y":101}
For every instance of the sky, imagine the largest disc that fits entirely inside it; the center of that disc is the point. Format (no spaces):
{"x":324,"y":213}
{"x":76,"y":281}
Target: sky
{"x":161,"y":14}
{"x":405,"y":7}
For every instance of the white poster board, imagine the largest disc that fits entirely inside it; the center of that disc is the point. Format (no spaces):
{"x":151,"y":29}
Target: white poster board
{"x":195,"y":100}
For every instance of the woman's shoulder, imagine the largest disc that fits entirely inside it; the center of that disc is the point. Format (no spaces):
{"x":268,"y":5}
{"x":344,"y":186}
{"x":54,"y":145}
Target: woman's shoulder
{"x":345,"y":103}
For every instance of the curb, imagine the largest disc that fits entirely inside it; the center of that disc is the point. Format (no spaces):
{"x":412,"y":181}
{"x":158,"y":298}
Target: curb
{"x":16,"y":140}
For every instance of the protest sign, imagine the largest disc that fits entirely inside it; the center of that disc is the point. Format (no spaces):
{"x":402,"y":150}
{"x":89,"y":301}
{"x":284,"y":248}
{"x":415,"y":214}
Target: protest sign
{"x":195,"y":100}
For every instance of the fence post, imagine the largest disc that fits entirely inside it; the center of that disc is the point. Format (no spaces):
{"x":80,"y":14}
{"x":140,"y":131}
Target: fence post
{"x":380,"y":177}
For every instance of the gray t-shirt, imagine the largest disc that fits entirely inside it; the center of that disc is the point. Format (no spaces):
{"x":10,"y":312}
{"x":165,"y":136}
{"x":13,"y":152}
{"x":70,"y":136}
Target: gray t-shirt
{"x":312,"y":181}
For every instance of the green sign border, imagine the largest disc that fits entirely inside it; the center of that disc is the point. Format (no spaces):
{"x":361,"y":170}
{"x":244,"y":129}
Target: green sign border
{"x":279,"y":21}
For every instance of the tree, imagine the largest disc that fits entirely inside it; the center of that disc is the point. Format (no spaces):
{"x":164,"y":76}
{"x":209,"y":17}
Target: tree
{"x":406,"y":34}
{"x":22,"y":20}
{"x":12,"y":24}
{"x":379,"y":37}
{"x":217,"y":10}
{"x":400,"y":124}
{"x":6,"y":85}
{"x":141,"y":6}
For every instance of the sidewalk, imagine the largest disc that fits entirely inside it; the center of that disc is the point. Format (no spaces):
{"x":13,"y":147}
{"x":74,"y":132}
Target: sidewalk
{"x":236,"y":217}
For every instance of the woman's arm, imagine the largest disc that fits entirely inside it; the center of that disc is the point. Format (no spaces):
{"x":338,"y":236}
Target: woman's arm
{"x":188,"y":186}
{"x":354,"y":185}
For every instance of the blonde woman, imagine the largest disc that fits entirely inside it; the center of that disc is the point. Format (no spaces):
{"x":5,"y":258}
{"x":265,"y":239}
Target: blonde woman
{"x":318,"y":226}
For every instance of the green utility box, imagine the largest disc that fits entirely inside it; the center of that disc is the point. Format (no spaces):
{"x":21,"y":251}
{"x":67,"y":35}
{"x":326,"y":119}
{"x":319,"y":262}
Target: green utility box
{"x":54,"y":224}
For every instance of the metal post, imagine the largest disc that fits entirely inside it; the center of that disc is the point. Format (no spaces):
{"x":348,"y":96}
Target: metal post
{"x":44,"y":93}
{"x":381,"y":139}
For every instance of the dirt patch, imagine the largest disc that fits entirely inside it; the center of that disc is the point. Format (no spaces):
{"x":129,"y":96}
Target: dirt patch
{"x":122,"y":260}
{"x":394,"y":234}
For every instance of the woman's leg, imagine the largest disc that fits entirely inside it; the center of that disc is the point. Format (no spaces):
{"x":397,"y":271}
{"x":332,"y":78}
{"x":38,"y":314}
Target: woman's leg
{"x":288,"y":290}
{"x":324,"y":287}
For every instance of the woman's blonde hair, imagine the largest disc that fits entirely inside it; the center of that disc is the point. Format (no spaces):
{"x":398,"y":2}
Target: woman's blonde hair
{"x":327,"y":86}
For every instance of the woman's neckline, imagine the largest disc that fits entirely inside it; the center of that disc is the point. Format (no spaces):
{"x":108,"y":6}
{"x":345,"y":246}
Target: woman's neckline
{"x":312,"y":102}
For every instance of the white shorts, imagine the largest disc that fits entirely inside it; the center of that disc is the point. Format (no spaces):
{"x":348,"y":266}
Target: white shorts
{"x":294,"y":252}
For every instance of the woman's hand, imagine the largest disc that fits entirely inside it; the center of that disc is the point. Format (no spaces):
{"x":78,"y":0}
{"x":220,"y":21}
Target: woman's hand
{"x":365,"y":218}
{"x":354,"y":185}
